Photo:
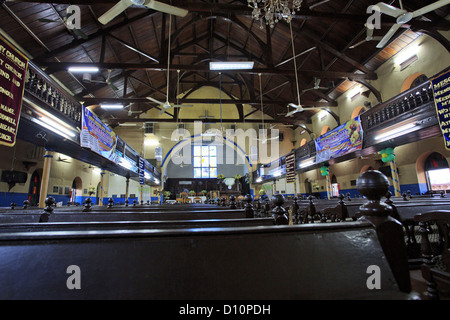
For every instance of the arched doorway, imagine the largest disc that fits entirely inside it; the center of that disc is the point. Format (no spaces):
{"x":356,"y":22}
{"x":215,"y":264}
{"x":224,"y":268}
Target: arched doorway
{"x":437,"y":173}
{"x":34,"y":189}
{"x":77,"y":191}
{"x":308,"y":186}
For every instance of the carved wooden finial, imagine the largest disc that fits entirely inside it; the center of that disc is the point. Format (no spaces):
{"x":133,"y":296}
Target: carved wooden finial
{"x":249,"y":212}
{"x":373,"y":185}
{"x":48,"y":210}
{"x":110,"y":202}
{"x":279,"y":213}
{"x":87,"y":205}
{"x":26,"y":203}
{"x":232,"y":202}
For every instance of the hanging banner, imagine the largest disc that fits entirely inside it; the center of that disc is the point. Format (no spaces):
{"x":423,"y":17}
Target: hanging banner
{"x":97,"y":136}
{"x":290,"y":168}
{"x":441,"y":90}
{"x":344,"y":139}
{"x":13,"y":70}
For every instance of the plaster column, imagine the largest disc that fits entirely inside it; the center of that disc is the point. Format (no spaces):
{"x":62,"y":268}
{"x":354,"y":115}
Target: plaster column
{"x":45,"y":178}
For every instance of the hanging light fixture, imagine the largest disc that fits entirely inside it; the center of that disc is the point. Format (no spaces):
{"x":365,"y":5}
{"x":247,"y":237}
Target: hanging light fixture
{"x":274,"y":10}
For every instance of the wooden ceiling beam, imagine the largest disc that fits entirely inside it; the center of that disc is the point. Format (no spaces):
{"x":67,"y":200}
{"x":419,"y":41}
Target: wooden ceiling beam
{"x":52,"y":67}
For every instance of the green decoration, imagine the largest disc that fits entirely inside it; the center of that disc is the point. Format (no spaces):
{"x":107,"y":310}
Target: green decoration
{"x":387,"y":155}
{"x":324,"y":171}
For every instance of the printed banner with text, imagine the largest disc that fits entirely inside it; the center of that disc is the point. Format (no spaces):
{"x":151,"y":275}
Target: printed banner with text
{"x":441,"y":90}
{"x":344,"y":139}
{"x":13,"y":70}
{"x":97,"y":136}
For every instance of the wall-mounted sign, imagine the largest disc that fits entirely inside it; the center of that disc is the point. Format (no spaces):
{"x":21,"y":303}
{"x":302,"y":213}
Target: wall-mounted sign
{"x":344,"y":139}
{"x":141,"y":171}
{"x":441,"y":90}
{"x":97,"y":136}
{"x":290,"y":168}
{"x":13,"y":70}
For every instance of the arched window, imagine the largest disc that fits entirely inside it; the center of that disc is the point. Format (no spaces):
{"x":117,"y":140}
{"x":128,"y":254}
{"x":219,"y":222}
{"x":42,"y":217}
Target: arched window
{"x":437,"y":172}
{"x":303,"y":142}
{"x":413,"y":80}
{"x":357,"y":111}
{"x":324,"y":130}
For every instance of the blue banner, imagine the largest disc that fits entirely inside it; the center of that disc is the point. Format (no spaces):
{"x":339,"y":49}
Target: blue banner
{"x":344,"y":139}
{"x":97,"y":136}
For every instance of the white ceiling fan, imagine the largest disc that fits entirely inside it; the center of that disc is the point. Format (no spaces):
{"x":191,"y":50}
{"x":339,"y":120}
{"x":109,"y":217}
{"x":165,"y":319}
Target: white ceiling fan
{"x":404,"y":16}
{"x":369,"y":37}
{"x":122,"y":5}
{"x":298,"y":108}
{"x":316,"y":86}
{"x":87,"y":78}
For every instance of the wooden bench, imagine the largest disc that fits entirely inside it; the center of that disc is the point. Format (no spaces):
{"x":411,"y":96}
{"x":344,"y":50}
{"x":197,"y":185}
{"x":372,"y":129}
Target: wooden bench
{"x":435,"y":252}
{"x":133,"y":225}
{"x":326,"y":261}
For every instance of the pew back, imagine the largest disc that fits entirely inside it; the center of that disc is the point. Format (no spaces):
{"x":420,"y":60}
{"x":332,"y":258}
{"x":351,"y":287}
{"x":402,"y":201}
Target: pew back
{"x":322,"y":261}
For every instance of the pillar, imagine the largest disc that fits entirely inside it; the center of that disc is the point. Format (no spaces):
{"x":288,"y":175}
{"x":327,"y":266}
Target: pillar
{"x":45,"y":177}
{"x":100,"y":196}
{"x":328,"y":187}
{"x":395,"y":179}
{"x":127,"y":187}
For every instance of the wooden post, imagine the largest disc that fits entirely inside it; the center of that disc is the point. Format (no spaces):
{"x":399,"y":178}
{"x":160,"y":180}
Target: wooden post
{"x":45,"y":178}
{"x":374,"y":185}
{"x":395,"y":179}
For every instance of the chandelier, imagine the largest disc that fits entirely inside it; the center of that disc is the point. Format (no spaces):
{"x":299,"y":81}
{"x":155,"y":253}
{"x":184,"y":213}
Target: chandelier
{"x":274,"y":10}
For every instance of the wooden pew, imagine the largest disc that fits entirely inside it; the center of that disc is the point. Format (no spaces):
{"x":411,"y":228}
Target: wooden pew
{"x":435,"y":252}
{"x":133,"y":225}
{"x":280,"y":262}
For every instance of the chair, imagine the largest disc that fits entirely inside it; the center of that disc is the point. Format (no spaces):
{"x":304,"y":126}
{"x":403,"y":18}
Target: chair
{"x":434,"y":229}
{"x":184,"y":196}
{"x":197,"y":200}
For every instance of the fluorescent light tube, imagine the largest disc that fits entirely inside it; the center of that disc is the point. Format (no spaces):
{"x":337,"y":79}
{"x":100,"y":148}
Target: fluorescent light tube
{"x":83,"y":69}
{"x":306,"y":163}
{"x":55,"y":127}
{"x":111,"y":106}
{"x":407,"y":128}
{"x":237,"y":65}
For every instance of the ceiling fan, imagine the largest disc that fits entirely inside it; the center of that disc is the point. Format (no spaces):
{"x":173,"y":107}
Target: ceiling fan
{"x":369,"y":37}
{"x":404,"y":16}
{"x":298,"y":108}
{"x":62,"y":160}
{"x":131,"y":112}
{"x":87,"y":77}
{"x":316,"y":86}
{"x":77,"y":31}
{"x":122,"y":5}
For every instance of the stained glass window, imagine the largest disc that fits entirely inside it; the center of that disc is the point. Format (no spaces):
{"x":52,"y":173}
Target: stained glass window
{"x":205,"y":162}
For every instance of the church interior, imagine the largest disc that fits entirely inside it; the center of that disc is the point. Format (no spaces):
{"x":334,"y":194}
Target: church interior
{"x":213,"y":129}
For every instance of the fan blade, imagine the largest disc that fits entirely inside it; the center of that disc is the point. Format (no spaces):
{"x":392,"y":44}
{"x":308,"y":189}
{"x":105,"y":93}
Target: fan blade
{"x":154,"y":100}
{"x":388,"y":35}
{"x":183,"y":106}
{"x":120,"y":7}
{"x":431,"y":7}
{"x":159,"y":6}
{"x":390,"y":10}
{"x":357,"y":44}
{"x":113,"y":86}
{"x":290,"y":114}
{"x":294,"y":106}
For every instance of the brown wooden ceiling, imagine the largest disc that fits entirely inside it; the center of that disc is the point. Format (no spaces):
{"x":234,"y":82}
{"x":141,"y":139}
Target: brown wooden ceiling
{"x":134,"y":47}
